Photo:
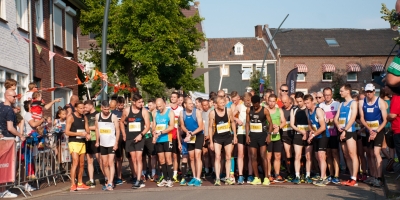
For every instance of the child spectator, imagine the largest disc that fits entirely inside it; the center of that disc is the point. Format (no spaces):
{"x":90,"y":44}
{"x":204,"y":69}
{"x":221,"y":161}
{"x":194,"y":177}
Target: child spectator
{"x":32,"y":88}
{"x":10,"y":84}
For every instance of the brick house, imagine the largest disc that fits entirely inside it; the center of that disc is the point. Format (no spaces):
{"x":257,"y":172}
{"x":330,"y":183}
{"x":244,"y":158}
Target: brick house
{"x":14,"y":51}
{"x":64,"y":42}
{"x":357,"y":54}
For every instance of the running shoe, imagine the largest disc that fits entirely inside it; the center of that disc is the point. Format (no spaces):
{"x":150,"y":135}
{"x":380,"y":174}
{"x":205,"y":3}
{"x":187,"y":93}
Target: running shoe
{"x":320,"y":183}
{"x":316,"y":177}
{"x":256,"y":181}
{"x":250,"y":179}
{"x":296,"y":180}
{"x":104,"y":187}
{"x":325,"y":181}
{"x":183,"y":182}
{"x":191,"y":182}
{"x":110,"y":187}
{"x":240,"y":180}
{"x":279,"y":179}
{"x":72,"y":188}
{"x":329,"y":179}
{"x":389,"y":166}
{"x":364,"y":177}
{"x":162,"y":183}
{"x":160,"y":179}
{"x":217,"y":182}
{"x":175,"y":178}
{"x":82,"y":187}
{"x":369,"y":180}
{"x":90,"y":184}
{"x":197,"y":183}
{"x":232,"y":178}
{"x":377,"y":183}
{"x":9,"y":195}
{"x":118,"y":181}
{"x":345,"y":182}
{"x":266,"y":182}
{"x":29,"y":188}
{"x":335,"y":180}
{"x":138,"y":184}
{"x":302,"y":178}
{"x":352,"y":183}
{"x":271,"y":179}
{"x":155,"y":178}
{"x":289,"y":178}
{"x":390,"y":171}
{"x":143,"y":178}
{"x":309,"y":180}
{"x":359,"y":177}
{"x":228,"y":181}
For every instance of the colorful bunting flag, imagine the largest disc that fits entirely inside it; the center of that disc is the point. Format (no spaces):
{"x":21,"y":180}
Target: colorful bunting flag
{"x":51,"y":55}
{"x":39,"y":48}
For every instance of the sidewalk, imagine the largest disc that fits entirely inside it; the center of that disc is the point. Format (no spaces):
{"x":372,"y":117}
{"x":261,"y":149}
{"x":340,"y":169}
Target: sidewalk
{"x":392,"y":186}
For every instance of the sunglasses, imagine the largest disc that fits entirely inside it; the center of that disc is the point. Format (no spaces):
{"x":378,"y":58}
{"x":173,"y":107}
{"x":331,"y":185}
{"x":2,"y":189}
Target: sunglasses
{"x":369,"y":91}
{"x":284,"y":90}
{"x":318,"y":97}
{"x":14,"y":96}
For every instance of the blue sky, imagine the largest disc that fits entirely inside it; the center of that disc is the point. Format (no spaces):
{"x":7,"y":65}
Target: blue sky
{"x":234,"y":18}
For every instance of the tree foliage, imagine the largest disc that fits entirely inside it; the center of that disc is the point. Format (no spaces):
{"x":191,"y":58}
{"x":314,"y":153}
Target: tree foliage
{"x":255,"y":81}
{"x":338,"y":80}
{"x":152,"y":42}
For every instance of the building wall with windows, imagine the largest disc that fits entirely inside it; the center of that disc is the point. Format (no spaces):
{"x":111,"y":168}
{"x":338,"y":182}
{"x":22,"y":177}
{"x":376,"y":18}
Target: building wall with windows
{"x":14,"y":51}
{"x":65,"y":24}
{"x":317,"y":76}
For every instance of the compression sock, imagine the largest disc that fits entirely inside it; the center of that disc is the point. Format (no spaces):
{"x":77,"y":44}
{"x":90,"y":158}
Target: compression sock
{"x":165,"y":172}
{"x":170,"y":169}
{"x":184,"y":169}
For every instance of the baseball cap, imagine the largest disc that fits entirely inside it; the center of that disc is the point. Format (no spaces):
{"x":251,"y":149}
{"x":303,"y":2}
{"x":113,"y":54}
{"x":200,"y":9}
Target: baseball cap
{"x":369,"y":87}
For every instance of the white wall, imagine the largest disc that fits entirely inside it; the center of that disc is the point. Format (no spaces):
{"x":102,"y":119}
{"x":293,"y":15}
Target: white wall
{"x":202,"y":57}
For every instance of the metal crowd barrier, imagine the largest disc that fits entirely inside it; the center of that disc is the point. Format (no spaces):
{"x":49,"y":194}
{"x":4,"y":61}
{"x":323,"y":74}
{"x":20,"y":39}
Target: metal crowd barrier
{"x":43,"y":158}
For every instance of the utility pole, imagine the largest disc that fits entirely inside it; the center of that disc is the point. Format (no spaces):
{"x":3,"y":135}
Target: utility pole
{"x":104,"y":48}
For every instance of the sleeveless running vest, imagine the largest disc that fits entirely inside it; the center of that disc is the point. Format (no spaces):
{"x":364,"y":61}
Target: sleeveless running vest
{"x":300,"y":119}
{"x":77,"y":126}
{"x":286,"y":128}
{"x":242,"y":116}
{"x":258,"y":121}
{"x":276,"y":117}
{"x":162,"y":122}
{"x":106,"y":130}
{"x":372,"y":114}
{"x":222,"y":125}
{"x":177,"y":111}
{"x":315,"y":124}
{"x":330,"y":112}
{"x":344,"y":116}
{"x":135,"y":123}
{"x":191,"y":124}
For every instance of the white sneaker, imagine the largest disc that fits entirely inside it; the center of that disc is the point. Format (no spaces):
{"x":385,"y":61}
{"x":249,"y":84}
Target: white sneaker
{"x":8,"y":195}
{"x":169,"y":184}
{"x":162,"y":183}
{"x":29,"y":188}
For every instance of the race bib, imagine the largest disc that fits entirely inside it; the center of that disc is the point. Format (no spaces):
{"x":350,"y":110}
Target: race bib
{"x":303,"y":127}
{"x":314,"y":127}
{"x":161,"y":127}
{"x":373,"y":124}
{"x":342,"y":122}
{"x":357,"y":126}
{"x":134,"y":126}
{"x":104,"y":131}
{"x":80,"y":131}
{"x":287,"y":127}
{"x":241,"y":130}
{"x":370,"y":110}
{"x":93,"y":135}
{"x":192,"y":139}
{"x":176,"y":122}
{"x":256,"y":127}
{"x":222,"y":128}
{"x":330,"y":125}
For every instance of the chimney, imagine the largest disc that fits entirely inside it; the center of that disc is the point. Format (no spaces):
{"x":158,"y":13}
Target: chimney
{"x":196,"y":4}
{"x":258,"y":31}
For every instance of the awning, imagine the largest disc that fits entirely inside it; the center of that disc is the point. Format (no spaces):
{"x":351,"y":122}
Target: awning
{"x":201,"y":71}
{"x":328,"y":68}
{"x":377,"y":67}
{"x":301,"y":68}
{"x":353,"y":67}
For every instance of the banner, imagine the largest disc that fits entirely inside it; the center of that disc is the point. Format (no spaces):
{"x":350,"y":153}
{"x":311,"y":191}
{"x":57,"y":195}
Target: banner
{"x":7,"y":161}
{"x":291,"y":81}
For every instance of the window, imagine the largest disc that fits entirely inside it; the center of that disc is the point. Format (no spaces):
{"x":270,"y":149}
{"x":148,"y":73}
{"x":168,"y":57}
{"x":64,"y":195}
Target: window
{"x":22,"y":14}
{"x":247,"y":71}
{"x":38,"y":82}
{"x":20,"y":78}
{"x":352,"y":76}
{"x":327,"y":76}
{"x":264,"y":70}
{"x":375,"y":75}
{"x":332,"y":42}
{"x":39,"y":18}
{"x":58,"y":23}
{"x":301,"y":77}
{"x":225,"y":90}
{"x":3,"y":9}
{"x":69,"y":33}
{"x":92,"y":36}
{"x":303,"y":90}
{"x":238,"y":48}
{"x":225,"y":70}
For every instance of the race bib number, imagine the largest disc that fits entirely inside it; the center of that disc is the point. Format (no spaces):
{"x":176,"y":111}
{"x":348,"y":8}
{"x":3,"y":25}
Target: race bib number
{"x":134,"y":126}
{"x":241,"y":130}
{"x":342,"y":122}
{"x":302,"y":127}
{"x":370,"y":110}
{"x":192,"y":139}
{"x":80,"y":131}
{"x":161,"y":127}
{"x":104,"y":131}
{"x":256,"y":127}
{"x":222,"y":128}
{"x":287,"y":127}
{"x":176,"y":122}
{"x":373,"y":124}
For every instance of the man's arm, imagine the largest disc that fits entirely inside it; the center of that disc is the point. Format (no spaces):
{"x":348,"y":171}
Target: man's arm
{"x":269,"y":120}
{"x":146,"y":117}
{"x":321,"y":121}
{"x":199,"y":122}
{"x":96,"y":125}
{"x":122,"y":124}
{"x":283,"y":120}
{"x":48,"y":106}
{"x":233,"y":123}
{"x":182,"y":123}
{"x":247,"y":121}
{"x":210,"y":126}
{"x":354,"y":110}
{"x":336,"y":119}
{"x":383,"y":108}
{"x":171,"y":125}
{"x":117,"y":130}
{"x":12,"y":130}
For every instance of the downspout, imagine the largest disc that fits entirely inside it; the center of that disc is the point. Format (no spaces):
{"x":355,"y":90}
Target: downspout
{"x":30,"y":42}
{"x":51,"y":49}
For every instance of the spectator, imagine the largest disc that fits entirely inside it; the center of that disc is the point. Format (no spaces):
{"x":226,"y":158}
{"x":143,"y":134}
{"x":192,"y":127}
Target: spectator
{"x":32,"y":88}
{"x":10,"y":84}
{"x":70,"y":107}
{"x":394,"y":118}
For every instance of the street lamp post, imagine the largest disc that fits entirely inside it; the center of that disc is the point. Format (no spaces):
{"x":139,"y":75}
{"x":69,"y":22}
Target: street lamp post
{"x":241,"y":72}
{"x":104,"y":48}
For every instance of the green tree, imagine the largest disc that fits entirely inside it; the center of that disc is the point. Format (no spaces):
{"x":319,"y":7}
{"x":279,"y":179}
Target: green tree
{"x":152,"y":42}
{"x":255,"y":81}
{"x":337,"y":82}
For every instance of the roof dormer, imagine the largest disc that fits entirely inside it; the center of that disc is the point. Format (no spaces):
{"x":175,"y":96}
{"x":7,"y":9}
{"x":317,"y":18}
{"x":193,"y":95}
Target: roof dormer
{"x":238,"y":47}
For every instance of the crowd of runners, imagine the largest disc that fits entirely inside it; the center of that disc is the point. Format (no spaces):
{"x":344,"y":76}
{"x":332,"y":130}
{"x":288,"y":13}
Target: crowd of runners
{"x":236,"y":139}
